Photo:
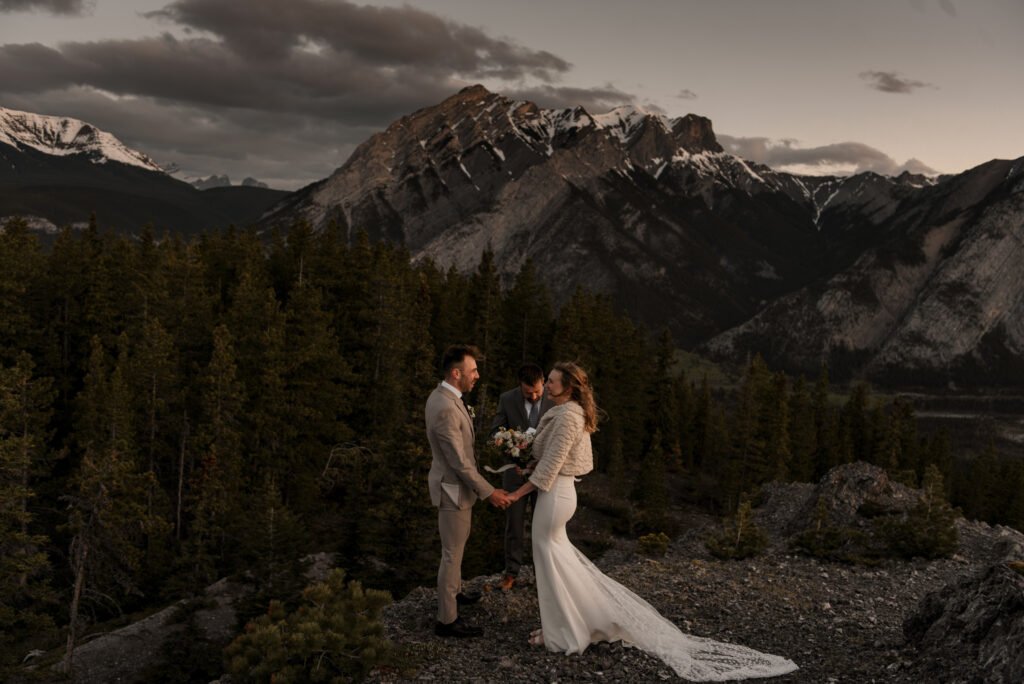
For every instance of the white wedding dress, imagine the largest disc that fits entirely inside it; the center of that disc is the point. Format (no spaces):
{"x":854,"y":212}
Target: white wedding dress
{"x":579,"y":605}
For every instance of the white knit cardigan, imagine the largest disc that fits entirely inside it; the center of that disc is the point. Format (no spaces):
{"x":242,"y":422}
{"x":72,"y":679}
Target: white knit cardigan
{"x":562,"y":445}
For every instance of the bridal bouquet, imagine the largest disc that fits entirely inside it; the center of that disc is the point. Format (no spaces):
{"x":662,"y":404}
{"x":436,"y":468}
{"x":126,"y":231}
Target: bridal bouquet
{"x":514,"y":445}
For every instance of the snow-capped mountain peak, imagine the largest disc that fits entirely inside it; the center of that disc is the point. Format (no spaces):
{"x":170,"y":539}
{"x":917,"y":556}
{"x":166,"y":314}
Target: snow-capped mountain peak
{"x":63,"y":136}
{"x":624,"y":121}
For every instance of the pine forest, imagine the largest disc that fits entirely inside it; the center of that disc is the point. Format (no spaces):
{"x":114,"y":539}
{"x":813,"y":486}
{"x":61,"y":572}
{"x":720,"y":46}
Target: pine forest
{"x":175,"y":411}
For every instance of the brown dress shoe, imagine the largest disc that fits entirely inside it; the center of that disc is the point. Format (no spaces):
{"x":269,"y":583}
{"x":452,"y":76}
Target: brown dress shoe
{"x":506,"y":582}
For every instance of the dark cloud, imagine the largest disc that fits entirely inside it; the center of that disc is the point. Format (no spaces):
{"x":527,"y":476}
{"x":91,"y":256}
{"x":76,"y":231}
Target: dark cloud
{"x":855,"y":156}
{"x":379,"y":36}
{"x":687,"y":94}
{"x":52,"y":6}
{"x":313,"y":78}
{"x":892,"y":82}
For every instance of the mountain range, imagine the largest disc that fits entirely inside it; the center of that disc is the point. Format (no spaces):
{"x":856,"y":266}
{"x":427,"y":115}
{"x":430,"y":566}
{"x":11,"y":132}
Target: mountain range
{"x":56,"y":171}
{"x":905,"y":280}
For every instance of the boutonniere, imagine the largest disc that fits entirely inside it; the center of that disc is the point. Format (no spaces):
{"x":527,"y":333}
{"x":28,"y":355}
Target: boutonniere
{"x":472,"y":411}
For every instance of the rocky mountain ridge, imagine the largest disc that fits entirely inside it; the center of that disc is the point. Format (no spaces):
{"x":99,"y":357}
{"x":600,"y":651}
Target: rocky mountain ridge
{"x":866,"y":272}
{"x":647,"y":208}
{"x":56,"y":171}
{"x":62,"y":136}
{"x":942,"y":301}
{"x":223,"y":181}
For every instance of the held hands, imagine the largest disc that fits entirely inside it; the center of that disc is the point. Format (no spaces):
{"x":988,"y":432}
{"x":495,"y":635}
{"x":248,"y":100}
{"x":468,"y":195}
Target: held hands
{"x":500,"y":498}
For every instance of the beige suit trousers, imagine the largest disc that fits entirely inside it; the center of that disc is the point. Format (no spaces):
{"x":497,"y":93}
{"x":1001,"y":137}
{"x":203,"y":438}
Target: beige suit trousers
{"x":454,"y":526}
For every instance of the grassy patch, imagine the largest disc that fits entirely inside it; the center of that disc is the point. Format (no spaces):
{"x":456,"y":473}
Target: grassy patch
{"x":696,"y":367}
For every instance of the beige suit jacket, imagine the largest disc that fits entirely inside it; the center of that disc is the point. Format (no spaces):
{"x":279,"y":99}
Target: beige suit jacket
{"x":450,"y":432}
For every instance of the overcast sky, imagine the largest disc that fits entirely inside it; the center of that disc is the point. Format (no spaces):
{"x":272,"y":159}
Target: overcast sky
{"x":283,"y":90}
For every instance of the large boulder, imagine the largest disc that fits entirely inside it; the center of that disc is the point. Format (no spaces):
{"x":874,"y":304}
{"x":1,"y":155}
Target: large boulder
{"x":786,"y":509}
{"x":975,"y":624}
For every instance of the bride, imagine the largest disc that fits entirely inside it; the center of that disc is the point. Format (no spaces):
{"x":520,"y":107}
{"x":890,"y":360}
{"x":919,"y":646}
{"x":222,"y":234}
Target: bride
{"x":579,"y":605}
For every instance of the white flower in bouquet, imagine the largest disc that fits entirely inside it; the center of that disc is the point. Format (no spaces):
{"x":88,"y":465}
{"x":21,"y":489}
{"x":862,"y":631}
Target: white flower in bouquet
{"x":514,"y":444}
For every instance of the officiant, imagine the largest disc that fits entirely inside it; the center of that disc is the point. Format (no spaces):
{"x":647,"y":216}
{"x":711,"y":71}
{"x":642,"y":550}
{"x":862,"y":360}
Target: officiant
{"x":519,"y":408}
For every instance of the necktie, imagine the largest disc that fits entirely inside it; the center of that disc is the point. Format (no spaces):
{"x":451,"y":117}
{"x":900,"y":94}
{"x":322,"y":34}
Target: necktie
{"x":534,"y":414}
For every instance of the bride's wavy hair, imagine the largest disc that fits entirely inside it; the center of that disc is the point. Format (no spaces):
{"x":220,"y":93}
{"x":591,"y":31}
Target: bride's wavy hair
{"x":575,"y":378}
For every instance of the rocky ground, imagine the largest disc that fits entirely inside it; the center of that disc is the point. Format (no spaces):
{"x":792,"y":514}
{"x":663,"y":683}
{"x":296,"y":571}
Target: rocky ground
{"x":838,"y":622}
{"x":958,"y":619}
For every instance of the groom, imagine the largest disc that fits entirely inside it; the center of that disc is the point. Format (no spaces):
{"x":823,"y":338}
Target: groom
{"x":455,"y":483}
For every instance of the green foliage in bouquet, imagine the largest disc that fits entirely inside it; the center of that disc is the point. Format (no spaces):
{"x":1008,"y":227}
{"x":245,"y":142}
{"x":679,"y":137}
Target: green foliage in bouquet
{"x":335,"y":636}
{"x":739,"y":538}
{"x":927,"y":530}
{"x":655,"y":544}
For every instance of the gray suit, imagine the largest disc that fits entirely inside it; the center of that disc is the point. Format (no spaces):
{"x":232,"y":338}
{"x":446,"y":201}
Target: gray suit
{"x":512,"y":414}
{"x":455,"y":484}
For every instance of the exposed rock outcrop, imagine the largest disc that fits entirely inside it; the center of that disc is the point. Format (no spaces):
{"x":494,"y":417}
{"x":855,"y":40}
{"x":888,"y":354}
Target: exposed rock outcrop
{"x":123,"y":654}
{"x":972,"y":626}
{"x":940,"y":299}
{"x":787,"y":508}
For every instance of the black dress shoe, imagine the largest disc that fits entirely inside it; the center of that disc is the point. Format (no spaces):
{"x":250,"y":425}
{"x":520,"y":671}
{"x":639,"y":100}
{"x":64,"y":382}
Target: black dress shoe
{"x":467,"y":598}
{"x":458,"y":629}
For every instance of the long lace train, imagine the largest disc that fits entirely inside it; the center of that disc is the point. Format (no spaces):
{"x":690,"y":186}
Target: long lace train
{"x":580,"y":605}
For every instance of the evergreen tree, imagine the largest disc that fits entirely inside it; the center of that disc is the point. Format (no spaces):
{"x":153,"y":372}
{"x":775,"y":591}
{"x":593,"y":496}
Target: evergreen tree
{"x":65,"y":286}
{"x":616,"y":354}
{"x":774,"y":425}
{"x":155,"y":385}
{"x":254,"y":316}
{"x":315,"y":392}
{"x":803,"y":435}
{"x":928,"y":530}
{"x":21,"y":262}
{"x":218,"y":482}
{"x":449,"y":320}
{"x":740,"y":537}
{"x":529,"y":321}
{"x":616,"y":468}
{"x":938,"y":452}
{"x":334,"y":636}
{"x":107,"y":515}
{"x":978,"y":498}
{"x":272,"y":541}
{"x":652,"y":485}
{"x":686,"y":420}
{"x":703,"y":445}
{"x":827,"y":454}
{"x":664,"y":413}
{"x":902,"y":414}
{"x":486,"y":312}
{"x":24,"y":588}
{"x":747,"y":462}
{"x":855,"y":427}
